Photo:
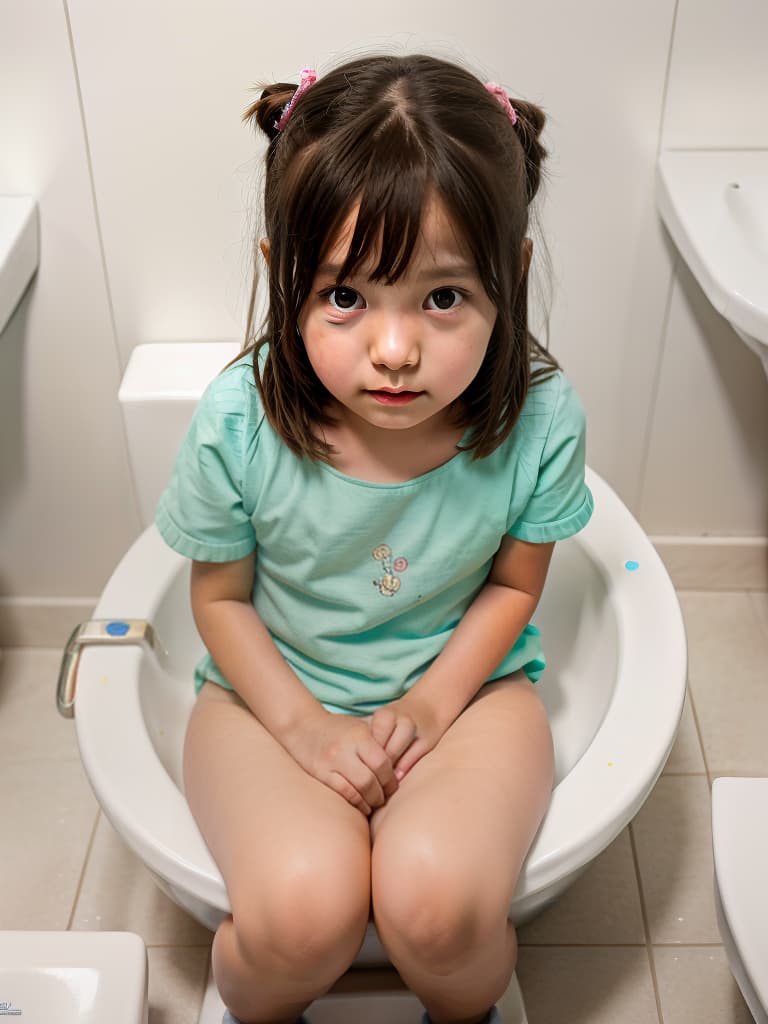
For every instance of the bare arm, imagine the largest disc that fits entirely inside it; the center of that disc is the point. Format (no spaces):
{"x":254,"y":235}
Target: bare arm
{"x":339,"y":750}
{"x":241,"y":646}
{"x":488,"y":630}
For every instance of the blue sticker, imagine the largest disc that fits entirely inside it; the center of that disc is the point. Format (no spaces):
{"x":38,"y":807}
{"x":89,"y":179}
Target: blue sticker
{"x":117,"y":628}
{"x":631,"y":566}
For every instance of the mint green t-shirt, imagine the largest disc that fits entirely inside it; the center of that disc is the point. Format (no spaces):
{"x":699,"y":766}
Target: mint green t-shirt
{"x":361,"y":584}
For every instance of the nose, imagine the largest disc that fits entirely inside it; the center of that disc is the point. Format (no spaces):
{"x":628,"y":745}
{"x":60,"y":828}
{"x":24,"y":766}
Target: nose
{"x":394,"y":341}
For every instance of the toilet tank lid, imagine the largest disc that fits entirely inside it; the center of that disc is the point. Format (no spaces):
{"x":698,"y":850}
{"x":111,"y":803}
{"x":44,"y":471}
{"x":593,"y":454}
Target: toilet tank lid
{"x":168,"y":370}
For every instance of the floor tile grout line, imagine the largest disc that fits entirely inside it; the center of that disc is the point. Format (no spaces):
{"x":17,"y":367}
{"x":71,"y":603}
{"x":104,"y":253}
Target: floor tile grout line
{"x":699,"y":735}
{"x":177,"y":945}
{"x":762,"y":620}
{"x":646,"y":924}
{"x":621,"y":945}
{"x":86,"y":862}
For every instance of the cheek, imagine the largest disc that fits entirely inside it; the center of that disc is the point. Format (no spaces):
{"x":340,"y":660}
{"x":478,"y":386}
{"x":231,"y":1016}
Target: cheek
{"x":468,"y":357}
{"x":321,"y":353}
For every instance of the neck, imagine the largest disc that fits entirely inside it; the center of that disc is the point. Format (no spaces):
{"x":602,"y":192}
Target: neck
{"x":390,"y":456}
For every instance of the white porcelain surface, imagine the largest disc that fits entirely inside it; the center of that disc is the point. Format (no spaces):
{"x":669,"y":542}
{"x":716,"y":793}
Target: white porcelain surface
{"x":19,"y":251}
{"x":73,"y":977}
{"x":161,"y":386}
{"x":740,"y":844}
{"x":580,"y":958}
{"x":614,"y":714}
{"x":715,"y":206}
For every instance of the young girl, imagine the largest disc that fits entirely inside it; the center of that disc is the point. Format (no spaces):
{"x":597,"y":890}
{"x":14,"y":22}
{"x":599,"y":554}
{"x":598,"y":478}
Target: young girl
{"x":370,"y":496}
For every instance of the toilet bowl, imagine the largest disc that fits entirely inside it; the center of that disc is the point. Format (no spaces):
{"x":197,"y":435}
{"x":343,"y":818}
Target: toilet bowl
{"x":614,"y":691}
{"x":73,"y":977}
{"x":740,"y":849}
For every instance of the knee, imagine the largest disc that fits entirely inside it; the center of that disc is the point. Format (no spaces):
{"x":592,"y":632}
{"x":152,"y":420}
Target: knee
{"x":303,"y":920}
{"x":428,"y":909}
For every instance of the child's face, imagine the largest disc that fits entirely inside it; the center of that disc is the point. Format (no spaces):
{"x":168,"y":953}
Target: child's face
{"x":398,"y":355}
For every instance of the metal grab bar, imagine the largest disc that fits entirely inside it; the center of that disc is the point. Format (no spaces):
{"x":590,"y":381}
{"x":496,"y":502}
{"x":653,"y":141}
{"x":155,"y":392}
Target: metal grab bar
{"x":96,"y":631}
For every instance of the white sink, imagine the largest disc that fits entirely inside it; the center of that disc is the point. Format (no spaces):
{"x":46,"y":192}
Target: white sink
{"x":19,"y":251}
{"x":714,"y":204}
{"x":73,"y":977}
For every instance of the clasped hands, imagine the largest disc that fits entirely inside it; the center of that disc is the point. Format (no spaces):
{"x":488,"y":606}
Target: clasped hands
{"x":365,"y":759}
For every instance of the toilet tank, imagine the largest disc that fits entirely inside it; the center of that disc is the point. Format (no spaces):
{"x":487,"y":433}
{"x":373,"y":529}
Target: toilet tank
{"x":161,"y":386}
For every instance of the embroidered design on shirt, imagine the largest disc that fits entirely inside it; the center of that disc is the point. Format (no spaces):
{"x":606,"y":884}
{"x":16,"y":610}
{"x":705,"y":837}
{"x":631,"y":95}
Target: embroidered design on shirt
{"x":389,"y":584}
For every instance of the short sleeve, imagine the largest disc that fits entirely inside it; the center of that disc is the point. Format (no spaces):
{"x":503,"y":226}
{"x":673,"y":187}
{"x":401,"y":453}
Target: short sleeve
{"x":561,"y":503}
{"x":201,"y":513}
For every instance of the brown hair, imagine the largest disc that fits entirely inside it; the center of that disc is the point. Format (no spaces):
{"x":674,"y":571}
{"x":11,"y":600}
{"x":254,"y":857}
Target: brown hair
{"x":387,"y":132}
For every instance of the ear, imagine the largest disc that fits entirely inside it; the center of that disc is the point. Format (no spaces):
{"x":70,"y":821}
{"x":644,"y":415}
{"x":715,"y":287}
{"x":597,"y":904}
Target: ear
{"x":526,"y":254}
{"x":265,"y":250}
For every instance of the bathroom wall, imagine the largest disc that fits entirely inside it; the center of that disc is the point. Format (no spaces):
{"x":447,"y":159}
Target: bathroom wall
{"x":124,"y":120}
{"x":707,"y":459}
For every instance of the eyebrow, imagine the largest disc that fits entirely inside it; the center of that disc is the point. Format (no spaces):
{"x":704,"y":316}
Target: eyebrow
{"x":457,"y":269}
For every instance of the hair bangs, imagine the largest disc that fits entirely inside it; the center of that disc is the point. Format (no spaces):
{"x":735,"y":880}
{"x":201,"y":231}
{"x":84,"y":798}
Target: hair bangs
{"x":390,"y":205}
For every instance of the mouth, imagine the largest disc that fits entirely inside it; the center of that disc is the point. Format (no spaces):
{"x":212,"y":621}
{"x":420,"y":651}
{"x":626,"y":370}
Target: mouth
{"x":390,"y":396}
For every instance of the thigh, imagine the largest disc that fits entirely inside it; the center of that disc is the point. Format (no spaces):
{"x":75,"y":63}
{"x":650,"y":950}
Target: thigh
{"x":265,"y":820}
{"x":469,"y":810}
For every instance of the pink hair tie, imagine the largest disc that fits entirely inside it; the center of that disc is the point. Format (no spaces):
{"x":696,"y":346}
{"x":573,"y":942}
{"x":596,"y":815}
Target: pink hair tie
{"x":308,"y":79}
{"x":501,"y":96}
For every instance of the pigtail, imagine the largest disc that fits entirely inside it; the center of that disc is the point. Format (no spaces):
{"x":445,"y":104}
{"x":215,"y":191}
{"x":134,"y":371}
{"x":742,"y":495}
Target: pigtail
{"x":529,"y":126}
{"x":266,"y":111}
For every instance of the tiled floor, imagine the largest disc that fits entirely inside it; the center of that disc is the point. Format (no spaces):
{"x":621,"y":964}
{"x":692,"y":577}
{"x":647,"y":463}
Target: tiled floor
{"x":634,"y":941}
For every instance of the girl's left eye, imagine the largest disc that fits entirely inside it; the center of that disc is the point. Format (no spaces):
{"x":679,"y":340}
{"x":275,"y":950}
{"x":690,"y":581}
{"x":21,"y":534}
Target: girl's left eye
{"x":444,"y":299}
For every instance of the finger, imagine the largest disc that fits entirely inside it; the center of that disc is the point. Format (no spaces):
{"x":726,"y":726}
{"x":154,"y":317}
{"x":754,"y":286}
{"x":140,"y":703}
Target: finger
{"x":403,"y":736}
{"x":382,"y":724}
{"x":344,"y":788}
{"x":372,"y":755}
{"x":412,"y":756}
{"x":363,"y":778}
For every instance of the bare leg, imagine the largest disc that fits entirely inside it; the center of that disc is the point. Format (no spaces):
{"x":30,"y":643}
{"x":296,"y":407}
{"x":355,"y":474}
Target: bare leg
{"x":295,"y":857}
{"x":448,"y":847}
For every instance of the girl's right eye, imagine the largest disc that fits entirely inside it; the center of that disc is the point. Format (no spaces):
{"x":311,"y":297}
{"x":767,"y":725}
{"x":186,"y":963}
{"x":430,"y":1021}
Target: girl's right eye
{"x":345,"y":299}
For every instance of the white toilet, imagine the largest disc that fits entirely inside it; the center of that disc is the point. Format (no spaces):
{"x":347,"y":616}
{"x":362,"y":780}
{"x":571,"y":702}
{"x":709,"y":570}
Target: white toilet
{"x":73,"y":977}
{"x":126,"y":679}
{"x":740,"y":846}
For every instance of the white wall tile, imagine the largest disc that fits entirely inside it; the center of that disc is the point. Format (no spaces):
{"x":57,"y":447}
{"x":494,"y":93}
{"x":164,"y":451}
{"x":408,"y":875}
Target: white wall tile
{"x":708,"y":456}
{"x":171,"y":170}
{"x":706,"y":463}
{"x":718,"y":81}
{"x":173,"y":164}
{"x":66,"y":506}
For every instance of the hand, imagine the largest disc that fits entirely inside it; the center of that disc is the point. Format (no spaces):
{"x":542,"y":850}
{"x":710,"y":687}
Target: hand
{"x":407,"y":729}
{"x":340,"y":751}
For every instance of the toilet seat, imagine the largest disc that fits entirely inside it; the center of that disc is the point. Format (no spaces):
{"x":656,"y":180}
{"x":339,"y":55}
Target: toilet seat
{"x":132,"y":705}
{"x":740,"y":847}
